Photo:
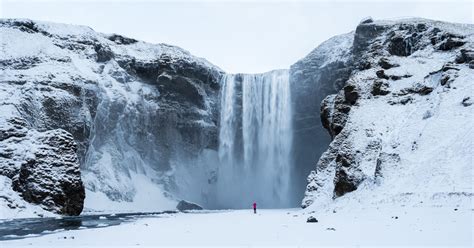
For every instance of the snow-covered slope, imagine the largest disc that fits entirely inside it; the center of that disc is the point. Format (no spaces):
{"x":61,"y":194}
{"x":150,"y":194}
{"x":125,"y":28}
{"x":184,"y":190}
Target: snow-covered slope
{"x":133,"y":108}
{"x":402,"y":126}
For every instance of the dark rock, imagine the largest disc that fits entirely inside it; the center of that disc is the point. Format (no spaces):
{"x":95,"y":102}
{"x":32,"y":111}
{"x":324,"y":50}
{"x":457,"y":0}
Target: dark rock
{"x":326,"y":112}
{"x":396,"y":77}
{"x":334,"y":112}
{"x":420,"y":27}
{"x":186,"y":206}
{"x":471,"y":64}
{"x":444,"y":79}
{"x":23,"y":25}
{"x":312,"y":219}
{"x":465,"y":56}
{"x":381,"y":74}
{"x":351,"y":93}
{"x":52,"y":178}
{"x":104,"y":53}
{"x":348,"y":175}
{"x":417,"y":89}
{"x":400,"y":46}
{"x":380,"y":88}
{"x":451,"y":43}
{"x":364,"y":37}
{"x":344,"y":160}
{"x":449,"y":66}
{"x":386,"y":64}
{"x":121,"y":40}
{"x":445,"y":40}
{"x":467,"y":101}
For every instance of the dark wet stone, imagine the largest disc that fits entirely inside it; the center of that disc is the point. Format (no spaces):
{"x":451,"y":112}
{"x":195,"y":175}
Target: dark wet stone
{"x":185,"y":206}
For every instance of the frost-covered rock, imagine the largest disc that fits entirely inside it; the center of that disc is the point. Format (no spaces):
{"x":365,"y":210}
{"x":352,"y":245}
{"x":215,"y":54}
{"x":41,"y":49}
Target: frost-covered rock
{"x":43,"y":167}
{"x":133,"y":108}
{"x":51,"y":178}
{"x":398,"y":126}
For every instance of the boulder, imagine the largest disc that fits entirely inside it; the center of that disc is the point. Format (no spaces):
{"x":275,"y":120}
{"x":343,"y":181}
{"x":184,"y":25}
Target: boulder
{"x":467,"y":101}
{"x":312,"y":219}
{"x":465,"y":56}
{"x":104,"y":53}
{"x":186,"y":206}
{"x":351,"y":94}
{"x":381,"y":74}
{"x":451,"y":43}
{"x":380,"y":88}
{"x":387,"y":64}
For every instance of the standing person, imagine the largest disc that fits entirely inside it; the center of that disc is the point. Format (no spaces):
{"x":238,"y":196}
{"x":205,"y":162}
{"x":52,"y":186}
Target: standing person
{"x":254,"y":207}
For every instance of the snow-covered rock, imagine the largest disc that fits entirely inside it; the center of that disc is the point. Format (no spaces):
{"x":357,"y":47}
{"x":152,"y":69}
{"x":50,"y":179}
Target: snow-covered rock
{"x":400,"y":129}
{"x":42,"y":166}
{"x":51,"y":178}
{"x":132,"y":108}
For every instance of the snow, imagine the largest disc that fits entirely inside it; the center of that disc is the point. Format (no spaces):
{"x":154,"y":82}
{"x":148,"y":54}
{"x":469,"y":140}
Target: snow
{"x":335,"y":49}
{"x":149,"y":197}
{"x":353,"y":225}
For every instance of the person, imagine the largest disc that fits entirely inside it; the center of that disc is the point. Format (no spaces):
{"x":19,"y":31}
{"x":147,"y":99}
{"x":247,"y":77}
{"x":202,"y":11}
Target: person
{"x":254,"y":207}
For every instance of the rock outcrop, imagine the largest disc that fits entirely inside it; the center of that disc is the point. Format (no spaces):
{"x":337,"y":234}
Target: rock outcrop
{"x":406,"y":77}
{"x":186,"y":206}
{"x":321,"y":73}
{"x":43,"y":166}
{"x":76,"y":86}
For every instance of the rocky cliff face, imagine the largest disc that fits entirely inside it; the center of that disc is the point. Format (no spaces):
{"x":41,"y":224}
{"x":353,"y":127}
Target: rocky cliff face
{"x":321,"y":73}
{"x":66,"y":88}
{"x":401,"y":125}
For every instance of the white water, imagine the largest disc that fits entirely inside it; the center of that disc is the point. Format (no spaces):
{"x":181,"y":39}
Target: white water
{"x":255,"y":140}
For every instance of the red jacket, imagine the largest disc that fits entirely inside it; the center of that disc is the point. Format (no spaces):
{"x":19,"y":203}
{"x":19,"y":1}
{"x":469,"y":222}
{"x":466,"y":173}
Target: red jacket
{"x":254,"y":205}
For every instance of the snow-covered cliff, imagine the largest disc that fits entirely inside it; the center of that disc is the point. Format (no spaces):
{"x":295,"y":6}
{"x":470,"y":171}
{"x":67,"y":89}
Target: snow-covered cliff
{"x":402,"y":126}
{"x":134,"y":110}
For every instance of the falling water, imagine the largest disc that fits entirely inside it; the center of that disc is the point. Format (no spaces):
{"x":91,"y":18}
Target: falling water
{"x":255,"y":140}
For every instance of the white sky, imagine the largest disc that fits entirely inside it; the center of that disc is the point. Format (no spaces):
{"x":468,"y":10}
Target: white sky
{"x":238,"y":36}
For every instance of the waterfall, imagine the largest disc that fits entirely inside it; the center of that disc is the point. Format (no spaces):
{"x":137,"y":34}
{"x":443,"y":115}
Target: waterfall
{"x":255,"y":140}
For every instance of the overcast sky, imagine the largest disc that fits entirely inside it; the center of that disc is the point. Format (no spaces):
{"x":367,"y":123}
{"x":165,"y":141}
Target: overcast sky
{"x":238,"y":36}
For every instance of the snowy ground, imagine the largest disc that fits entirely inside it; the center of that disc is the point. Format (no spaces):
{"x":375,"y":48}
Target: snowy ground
{"x":375,"y":226}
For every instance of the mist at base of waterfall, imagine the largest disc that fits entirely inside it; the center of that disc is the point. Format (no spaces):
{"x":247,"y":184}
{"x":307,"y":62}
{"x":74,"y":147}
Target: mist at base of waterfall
{"x":253,"y":162}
